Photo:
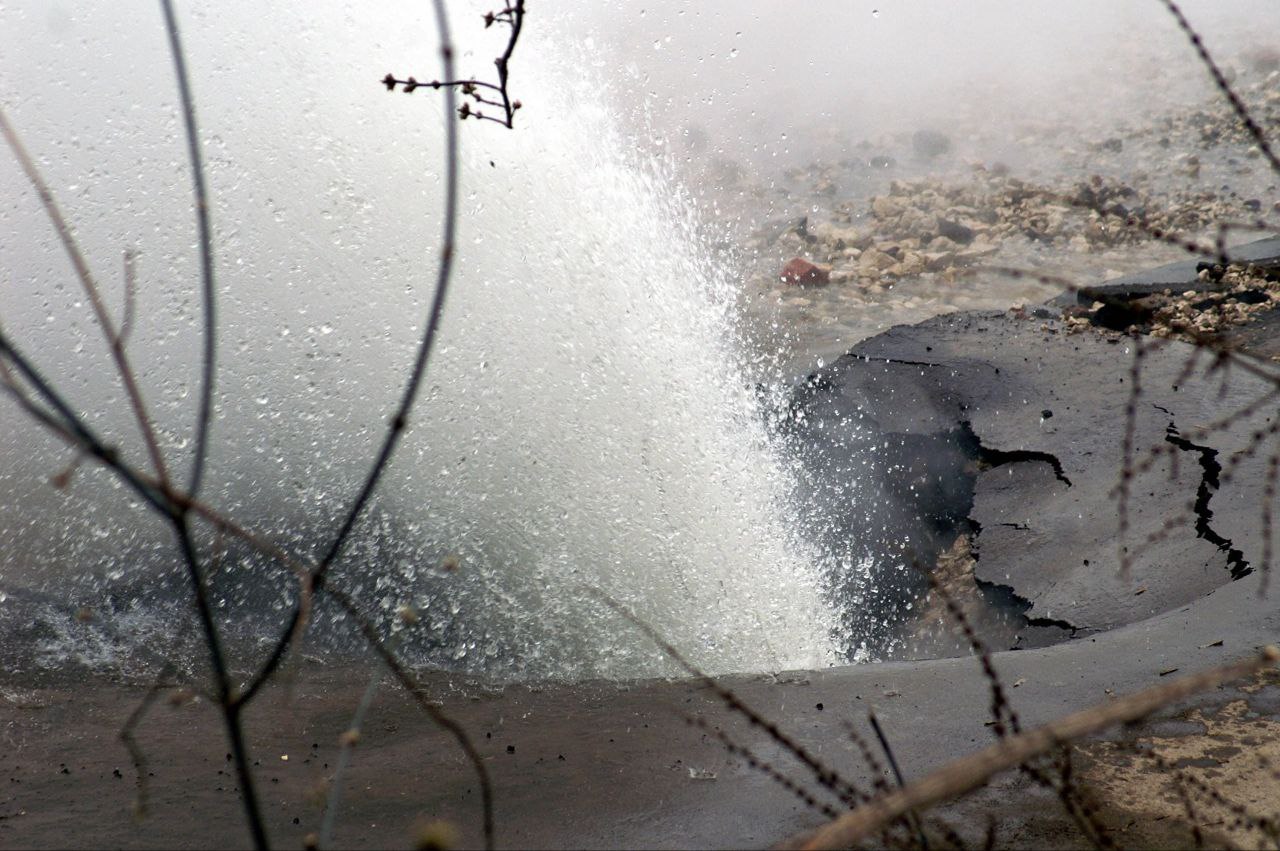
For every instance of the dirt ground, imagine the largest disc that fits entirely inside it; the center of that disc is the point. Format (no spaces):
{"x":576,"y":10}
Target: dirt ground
{"x":620,"y":765}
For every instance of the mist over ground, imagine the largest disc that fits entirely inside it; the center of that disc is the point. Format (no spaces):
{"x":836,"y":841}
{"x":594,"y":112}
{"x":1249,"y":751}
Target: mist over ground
{"x":781,"y":83}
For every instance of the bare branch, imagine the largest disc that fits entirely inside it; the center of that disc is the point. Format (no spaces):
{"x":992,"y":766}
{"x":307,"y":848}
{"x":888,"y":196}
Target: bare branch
{"x":513,"y":16}
{"x":159,"y":497}
{"x":206,"y":249}
{"x":434,"y":712}
{"x":215,"y":518}
{"x":400,"y":419}
{"x":826,"y":776}
{"x":970,"y":772}
{"x":136,"y":754}
{"x":753,"y":761}
{"x":1219,"y":79}
{"x":75,"y":426}
{"x":347,"y":742}
{"x":227,"y":702}
{"x":18,"y":373}
{"x":114,"y":340}
{"x":1002,"y":711}
{"x":130,"y":294}
{"x":897,"y":774}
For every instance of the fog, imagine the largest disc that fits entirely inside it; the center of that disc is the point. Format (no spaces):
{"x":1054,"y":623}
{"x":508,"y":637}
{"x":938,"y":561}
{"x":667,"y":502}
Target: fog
{"x":786,"y":81}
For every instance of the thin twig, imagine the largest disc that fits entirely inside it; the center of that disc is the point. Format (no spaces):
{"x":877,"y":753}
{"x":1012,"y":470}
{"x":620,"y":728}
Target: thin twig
{"x":227,"y":703}
{"x":65,"y":417}
{"x":869,"y":757}
{"x":400,"y":418}
{"x":205,"y":236}
{"x":164,"y":505}
{"x":504,"y":61}
{"x":1220,"y":79}
{"x":350,"y":737}
{"x":1153,"y":454}
{"x":434,"y":712}
{"x":220,"y":521}
{"x":970,"y":772}
{"x":827,"y":777}
{"x":1002,"y":711}
{"x":176,"y":507}
{"x":121,"y":338}
{"x":1180,"y":786}
{"x":513,"y":16}
{"x":1082,"y":811}
{"x":136,"y":754}
{"x":114,"y":340}
{"x":78,"y":436}
{"x":897,"y":774}
{"x":752,"y":760}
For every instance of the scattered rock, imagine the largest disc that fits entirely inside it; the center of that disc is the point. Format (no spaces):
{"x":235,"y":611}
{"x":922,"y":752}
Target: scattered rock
{"x":936,"y":261}
{"x":955,"y":231}
{"x":886,"y":208}
{"x":875,"y":260}
{"x":1243,"y":294}
{"x":1263,"y":60}
{"x":976,"y":251}
{"x":930,"y":143}
{"x":937,"y":226}
{"x":801,"y":271}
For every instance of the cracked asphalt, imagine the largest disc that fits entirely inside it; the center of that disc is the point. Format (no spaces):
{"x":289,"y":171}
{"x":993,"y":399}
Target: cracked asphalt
{"x":1043,"y":422}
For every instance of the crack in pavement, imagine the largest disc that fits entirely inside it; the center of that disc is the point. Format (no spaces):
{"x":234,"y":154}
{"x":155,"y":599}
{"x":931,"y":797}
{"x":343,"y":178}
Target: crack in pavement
{"x":1052,"y":622}
{"x":1209,"y":483}
{"x":975,"y":532}
{"x":1000,"y":457}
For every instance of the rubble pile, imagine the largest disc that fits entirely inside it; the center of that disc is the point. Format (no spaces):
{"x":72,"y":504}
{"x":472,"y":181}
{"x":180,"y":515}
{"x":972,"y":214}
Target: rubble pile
{"x":931,"y":226}
{"x":1241,"y":295}
{"x":1216,"y":123}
